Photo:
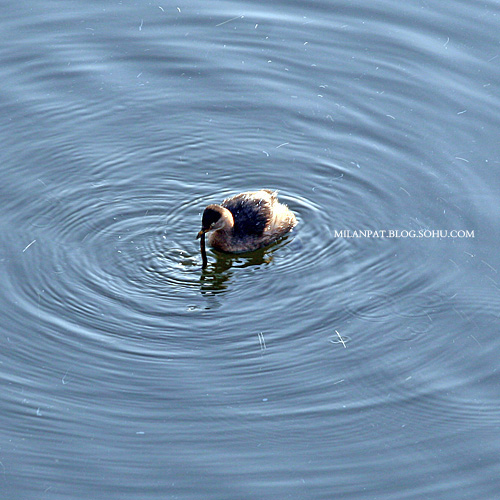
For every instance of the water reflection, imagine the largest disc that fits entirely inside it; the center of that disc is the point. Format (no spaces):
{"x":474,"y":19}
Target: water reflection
{"x":216,"y":276}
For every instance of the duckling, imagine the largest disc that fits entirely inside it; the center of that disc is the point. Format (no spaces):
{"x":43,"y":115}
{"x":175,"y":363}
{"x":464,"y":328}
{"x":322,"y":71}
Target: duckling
{"x":245,"y":222}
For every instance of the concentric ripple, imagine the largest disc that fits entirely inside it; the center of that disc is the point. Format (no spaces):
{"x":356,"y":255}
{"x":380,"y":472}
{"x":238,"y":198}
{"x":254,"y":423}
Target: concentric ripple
{"x":324,"y":366}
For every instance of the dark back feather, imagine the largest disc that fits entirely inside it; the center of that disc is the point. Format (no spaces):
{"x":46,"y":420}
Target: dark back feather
{"x":251,"y":215}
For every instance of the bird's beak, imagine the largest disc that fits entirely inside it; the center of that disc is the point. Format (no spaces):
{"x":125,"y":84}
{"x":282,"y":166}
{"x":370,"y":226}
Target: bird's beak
{"x":201,"y":233}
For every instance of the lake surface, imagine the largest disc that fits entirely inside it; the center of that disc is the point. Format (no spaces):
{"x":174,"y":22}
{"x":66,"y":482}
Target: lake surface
{"x":328,"y":366}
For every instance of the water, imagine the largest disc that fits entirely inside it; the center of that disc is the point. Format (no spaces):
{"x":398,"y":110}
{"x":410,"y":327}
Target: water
{"x":325,"y":367}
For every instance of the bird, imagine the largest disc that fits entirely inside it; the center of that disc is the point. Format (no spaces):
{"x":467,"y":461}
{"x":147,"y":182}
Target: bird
{"x":245,"y":222}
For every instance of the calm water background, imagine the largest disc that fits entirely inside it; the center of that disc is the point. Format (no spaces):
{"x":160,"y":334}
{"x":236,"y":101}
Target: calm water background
{"x":128,"y":373}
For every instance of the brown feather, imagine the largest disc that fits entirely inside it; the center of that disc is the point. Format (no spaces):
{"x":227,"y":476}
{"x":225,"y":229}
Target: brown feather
{"x":247,"y":221}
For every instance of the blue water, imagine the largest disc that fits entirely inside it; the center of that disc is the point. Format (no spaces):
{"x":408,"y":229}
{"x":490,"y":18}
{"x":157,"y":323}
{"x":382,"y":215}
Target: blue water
{"x":326,"y":367}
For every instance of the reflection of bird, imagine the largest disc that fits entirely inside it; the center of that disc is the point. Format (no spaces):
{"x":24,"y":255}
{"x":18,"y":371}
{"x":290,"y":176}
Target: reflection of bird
{"x":245,"y":222}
